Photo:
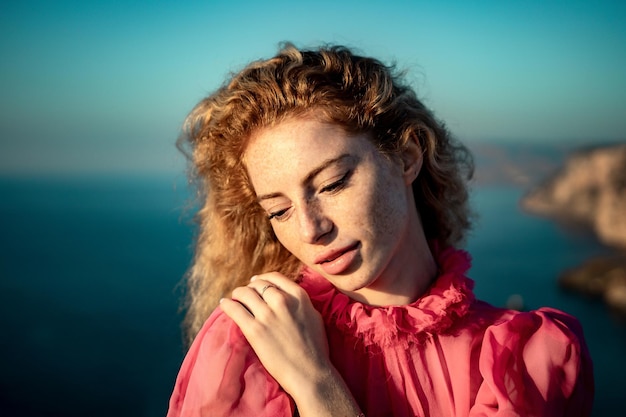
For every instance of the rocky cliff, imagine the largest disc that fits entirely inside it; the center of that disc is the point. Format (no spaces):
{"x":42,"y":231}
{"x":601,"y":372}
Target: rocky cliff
{"x":591,"y":188}
{"x":603,"y":278}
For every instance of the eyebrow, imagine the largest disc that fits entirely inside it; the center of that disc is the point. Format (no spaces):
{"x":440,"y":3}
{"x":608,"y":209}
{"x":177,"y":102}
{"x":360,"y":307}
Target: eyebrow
{"x":309,"y":177}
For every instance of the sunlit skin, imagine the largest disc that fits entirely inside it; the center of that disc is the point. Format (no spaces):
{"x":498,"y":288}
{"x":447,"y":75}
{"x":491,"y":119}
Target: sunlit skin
{"x":327,"y":193}
{"x":346,"y":211}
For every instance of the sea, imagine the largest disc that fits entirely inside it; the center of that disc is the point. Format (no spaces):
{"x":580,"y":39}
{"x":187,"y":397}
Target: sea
{"x":90,"y":290}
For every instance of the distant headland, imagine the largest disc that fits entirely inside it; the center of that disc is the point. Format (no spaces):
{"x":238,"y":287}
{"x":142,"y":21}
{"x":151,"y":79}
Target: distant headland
{"x":590,"y":189}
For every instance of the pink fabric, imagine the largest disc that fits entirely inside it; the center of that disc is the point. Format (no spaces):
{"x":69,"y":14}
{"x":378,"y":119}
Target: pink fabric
{"x":222,"y":376}
{"x":444,"y":355}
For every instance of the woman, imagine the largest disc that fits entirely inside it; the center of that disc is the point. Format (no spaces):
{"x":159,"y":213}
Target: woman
{"x":332,"y":203}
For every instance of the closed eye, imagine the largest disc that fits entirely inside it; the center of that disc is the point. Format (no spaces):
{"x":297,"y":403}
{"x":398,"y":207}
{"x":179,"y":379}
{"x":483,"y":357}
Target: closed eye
{"x":278,"y":215}
{"x":337,"y":185}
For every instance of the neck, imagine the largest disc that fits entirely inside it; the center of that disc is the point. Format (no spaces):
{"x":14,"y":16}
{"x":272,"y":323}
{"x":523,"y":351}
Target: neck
{"x":408,"y":275}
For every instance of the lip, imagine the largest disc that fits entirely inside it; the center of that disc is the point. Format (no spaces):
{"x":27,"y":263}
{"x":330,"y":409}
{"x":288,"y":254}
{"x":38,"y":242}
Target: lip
{"x":337,"y":261}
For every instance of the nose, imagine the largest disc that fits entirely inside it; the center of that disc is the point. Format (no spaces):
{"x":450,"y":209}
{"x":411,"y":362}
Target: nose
{"x":313,"y":223}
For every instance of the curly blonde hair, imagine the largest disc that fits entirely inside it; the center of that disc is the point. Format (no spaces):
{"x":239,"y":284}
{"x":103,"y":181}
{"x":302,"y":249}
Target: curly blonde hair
{"x":235,"y":239}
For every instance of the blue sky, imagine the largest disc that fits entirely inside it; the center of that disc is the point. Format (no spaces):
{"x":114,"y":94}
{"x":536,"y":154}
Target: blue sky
{"x":103,"y":86}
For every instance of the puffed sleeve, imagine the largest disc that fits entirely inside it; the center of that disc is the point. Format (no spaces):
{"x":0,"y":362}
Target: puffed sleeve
{"x":222,"y":376}
{"x":535,"y":364}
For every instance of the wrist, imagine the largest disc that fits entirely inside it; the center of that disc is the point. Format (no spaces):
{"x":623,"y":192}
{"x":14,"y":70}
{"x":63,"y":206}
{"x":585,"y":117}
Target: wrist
{"x":326,"y":394}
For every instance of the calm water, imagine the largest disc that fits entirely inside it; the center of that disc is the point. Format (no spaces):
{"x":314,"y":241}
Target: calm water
{"x":89,"y":298}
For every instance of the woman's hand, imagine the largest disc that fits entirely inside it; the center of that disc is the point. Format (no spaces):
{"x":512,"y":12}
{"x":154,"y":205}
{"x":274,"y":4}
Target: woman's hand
{"x":279,"y":321}
{"x":276,"y":316}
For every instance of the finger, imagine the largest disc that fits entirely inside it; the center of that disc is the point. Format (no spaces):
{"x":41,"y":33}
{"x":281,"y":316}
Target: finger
{"x":253,"y":330}
{"x":274,"y":299}
{"x":237,"y":312}
{"x":250,"y":299}
{"x":277,"y":300}
{"x":261,"y":286}
{"x":267,"y":287}
{"x":280,"y":281}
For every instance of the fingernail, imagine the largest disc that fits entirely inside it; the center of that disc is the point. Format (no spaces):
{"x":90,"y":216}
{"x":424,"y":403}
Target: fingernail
{"x":253,"y":278}
{"x":221,"y":299}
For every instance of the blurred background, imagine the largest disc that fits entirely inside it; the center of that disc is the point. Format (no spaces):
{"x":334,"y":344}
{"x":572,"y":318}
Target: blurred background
{"x":95,"y":230}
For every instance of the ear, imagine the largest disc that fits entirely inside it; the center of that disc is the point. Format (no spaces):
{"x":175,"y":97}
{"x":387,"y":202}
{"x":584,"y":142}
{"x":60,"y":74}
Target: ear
{"x":412,"y":158}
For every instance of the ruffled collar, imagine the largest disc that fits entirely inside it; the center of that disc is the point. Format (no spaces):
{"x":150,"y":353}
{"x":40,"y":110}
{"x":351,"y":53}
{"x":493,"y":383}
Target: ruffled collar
{"x":448,"y":299}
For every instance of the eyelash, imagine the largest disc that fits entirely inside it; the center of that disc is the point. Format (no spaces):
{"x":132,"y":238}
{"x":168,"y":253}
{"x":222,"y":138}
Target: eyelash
{"x":330,"y":188}
{"x":337,"y":185}
{"x":277,"y":215}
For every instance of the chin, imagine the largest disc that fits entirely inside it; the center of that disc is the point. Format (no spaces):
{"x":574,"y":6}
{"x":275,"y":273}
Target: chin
{"x":353,"y":284}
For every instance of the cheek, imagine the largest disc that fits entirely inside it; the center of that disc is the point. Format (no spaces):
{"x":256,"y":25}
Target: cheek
{"x":280,"y":234}
{"x":389,"y":209}
{"x":287,"y":237}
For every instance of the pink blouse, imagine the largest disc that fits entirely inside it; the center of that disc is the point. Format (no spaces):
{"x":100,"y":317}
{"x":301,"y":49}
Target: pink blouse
{"x":446,"y":354}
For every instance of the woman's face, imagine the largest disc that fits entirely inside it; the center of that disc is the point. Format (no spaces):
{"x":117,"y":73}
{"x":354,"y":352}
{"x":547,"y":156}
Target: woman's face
{"x":337,"y":204}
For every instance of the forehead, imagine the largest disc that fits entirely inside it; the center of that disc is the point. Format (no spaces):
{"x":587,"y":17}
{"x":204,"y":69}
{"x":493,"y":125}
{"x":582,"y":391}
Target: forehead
{"x":295,"y":132}
{"x":297,"y":145}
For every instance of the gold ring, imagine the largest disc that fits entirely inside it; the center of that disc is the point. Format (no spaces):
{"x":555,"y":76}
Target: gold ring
{"x":265,"y":288}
